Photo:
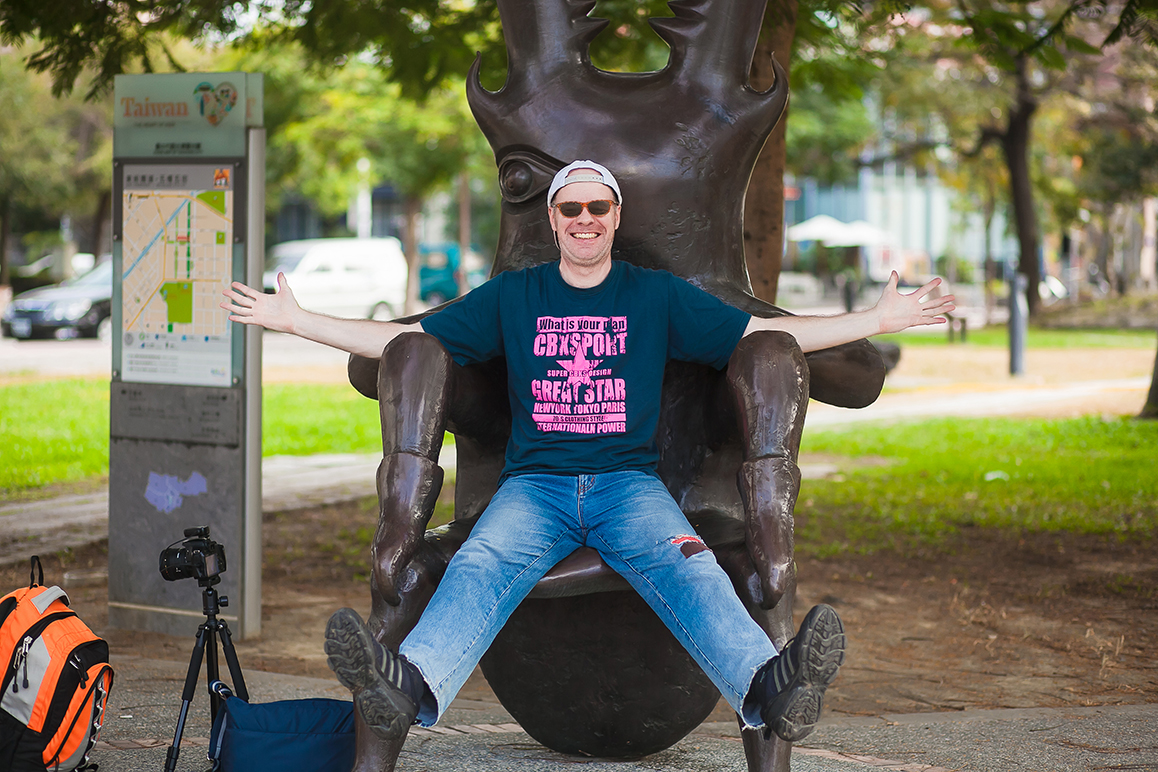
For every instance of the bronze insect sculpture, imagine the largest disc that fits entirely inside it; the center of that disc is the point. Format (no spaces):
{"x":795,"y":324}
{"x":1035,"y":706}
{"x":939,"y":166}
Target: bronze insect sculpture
{"x":682,"y":142}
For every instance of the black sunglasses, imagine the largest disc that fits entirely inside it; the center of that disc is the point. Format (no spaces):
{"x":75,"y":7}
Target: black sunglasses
{"x":573,"y":208}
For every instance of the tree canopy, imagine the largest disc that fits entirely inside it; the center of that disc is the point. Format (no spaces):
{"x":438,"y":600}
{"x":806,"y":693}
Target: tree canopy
{"x":56,"y":154}
{"x":981,"y":66}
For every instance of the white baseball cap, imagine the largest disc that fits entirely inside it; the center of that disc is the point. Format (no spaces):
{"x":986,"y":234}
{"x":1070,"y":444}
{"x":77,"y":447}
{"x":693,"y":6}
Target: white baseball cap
{"x":594,"y":173}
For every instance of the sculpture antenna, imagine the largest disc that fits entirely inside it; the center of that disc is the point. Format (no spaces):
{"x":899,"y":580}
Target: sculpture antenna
{"x":712,"y":38}
{"x":486,"y":105}
{"x":542,"y":37}
{"x":775,"y":99}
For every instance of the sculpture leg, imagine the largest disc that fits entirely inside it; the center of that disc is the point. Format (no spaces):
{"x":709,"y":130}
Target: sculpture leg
{"x":413,"y":389}
{"x":769,"y":380}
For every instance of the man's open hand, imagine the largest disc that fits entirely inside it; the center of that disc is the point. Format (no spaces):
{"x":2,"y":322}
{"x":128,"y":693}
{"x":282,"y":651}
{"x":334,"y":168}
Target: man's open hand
{"x":897,"y":311}
{"x":250,"y":306}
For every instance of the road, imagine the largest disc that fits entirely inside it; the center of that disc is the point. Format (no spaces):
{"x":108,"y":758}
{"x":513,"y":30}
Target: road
{"x":282,"y":355}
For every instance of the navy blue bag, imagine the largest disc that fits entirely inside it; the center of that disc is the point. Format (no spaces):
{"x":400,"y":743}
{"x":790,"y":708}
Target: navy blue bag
{"x":314,"y":735}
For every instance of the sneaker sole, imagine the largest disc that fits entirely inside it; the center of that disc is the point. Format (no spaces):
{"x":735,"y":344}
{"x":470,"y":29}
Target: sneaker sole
{"x":386,"y":711}
{"x":822,"y":644}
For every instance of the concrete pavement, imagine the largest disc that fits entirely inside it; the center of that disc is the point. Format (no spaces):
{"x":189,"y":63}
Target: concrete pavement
{"x":972,"y":400}
{"x":480,"y":735}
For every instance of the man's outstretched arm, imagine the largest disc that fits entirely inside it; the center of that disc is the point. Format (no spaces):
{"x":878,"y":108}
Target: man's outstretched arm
{"x":280,"y":312}
{"x":894,"y":312}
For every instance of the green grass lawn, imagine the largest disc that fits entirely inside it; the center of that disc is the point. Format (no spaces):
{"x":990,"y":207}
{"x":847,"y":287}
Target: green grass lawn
{"x":318,"y":418}
{"x":998,"y":337}
{"x":57,"y":431}
{"x":936,"y":477}
{"x":53,"y":431}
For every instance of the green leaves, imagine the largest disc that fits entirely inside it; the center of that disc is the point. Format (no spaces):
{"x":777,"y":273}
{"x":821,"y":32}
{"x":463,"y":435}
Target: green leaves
{"x":322,"y":120}
{"x":826,"y":134}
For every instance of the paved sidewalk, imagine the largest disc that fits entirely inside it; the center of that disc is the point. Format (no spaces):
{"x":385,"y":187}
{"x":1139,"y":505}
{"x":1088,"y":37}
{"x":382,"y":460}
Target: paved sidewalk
{"x":970,"y":400}
{"x":480,"y":736}
{"x":288,"y":482}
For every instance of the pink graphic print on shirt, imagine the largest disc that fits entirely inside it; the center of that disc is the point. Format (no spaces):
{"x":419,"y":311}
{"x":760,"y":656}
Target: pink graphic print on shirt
{"x":579,"y":392}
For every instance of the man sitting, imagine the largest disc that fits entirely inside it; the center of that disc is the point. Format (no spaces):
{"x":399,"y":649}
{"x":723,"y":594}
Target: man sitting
{"x":586,"y":340}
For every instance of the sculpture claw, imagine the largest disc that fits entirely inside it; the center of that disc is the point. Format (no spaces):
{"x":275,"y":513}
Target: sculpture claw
{"x":774,"y":583}
{"x":408,"y":487}
{"x":768,"y":488}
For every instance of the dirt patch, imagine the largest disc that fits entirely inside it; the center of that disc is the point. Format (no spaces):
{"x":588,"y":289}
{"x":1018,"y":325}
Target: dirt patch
{"x":992,"y":622}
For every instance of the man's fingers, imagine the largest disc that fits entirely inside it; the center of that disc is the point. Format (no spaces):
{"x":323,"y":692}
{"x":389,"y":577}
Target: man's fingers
{"x":237,"y":297}
{"x":248,"y":291}
{"x":927,"y":287}
{"x":934,"y":313}
{"x":948,"y":300}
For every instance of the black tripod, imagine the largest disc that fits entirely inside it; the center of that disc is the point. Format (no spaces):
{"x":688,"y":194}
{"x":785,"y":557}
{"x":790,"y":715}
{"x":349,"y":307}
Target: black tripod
{"x":207,"y":633}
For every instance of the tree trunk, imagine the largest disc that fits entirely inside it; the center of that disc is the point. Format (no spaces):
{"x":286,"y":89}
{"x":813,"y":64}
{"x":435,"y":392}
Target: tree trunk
{"x":463,"y":232}
{"x":764,"y":203}
{"x":5,"y":225}
{"x":990,"y":209}
{"x":410,"y":247}
{"x":1150,"y":409}
{"x":1015,"y":144}
{"x":100,"y":219}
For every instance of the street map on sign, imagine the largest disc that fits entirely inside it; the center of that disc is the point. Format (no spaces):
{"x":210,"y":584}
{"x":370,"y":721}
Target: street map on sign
{"x":177,"y":257}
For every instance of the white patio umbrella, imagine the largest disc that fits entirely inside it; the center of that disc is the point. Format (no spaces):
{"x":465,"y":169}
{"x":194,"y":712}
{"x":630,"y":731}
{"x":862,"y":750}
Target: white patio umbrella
{"x":819,"y":228}
{"x":860,"y":234}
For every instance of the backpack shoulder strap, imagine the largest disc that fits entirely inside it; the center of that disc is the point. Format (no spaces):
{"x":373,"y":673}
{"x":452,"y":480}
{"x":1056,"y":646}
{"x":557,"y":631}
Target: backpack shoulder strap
{"x":44,"y":599}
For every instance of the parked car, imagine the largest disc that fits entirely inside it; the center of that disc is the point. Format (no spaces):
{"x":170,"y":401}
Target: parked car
{"x":356,"y":278}
{"x":438,"y":273}
{"x":81,"y":306}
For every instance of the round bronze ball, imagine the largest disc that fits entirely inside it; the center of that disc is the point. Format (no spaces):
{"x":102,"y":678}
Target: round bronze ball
{"x":597,"y":675}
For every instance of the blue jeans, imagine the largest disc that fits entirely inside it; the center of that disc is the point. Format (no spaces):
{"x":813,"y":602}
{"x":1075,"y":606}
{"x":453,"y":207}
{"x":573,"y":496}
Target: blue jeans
{"x":536,"y":520}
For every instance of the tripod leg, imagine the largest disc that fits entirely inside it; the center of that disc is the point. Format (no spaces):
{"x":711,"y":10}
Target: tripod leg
{"x":187,"y":696}
{"x":212,"y":671}
{"x":231,"y":660}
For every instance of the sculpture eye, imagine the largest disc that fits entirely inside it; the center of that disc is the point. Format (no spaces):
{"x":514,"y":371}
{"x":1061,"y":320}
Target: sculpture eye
{"x":524,"y":174}
{"x":518,"y":179}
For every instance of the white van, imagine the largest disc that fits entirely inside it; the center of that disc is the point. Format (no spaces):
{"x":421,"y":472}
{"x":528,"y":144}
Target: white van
{"x":353,"y":278}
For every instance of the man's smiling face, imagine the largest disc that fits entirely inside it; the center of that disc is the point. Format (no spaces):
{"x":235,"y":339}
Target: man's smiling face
{"x":584,"y":240}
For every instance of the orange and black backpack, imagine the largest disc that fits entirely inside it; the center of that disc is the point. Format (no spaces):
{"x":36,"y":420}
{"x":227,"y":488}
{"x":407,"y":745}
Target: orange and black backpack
{"x":56,"y":681}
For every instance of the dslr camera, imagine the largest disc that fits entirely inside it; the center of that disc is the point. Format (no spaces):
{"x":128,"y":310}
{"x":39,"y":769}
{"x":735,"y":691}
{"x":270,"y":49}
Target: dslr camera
{"x":194,"y":556}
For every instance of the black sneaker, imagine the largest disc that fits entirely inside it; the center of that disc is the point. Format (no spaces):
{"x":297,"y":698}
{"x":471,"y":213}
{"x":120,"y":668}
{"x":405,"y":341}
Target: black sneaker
{"x":386,"y":687}
{"x":795,"y":680}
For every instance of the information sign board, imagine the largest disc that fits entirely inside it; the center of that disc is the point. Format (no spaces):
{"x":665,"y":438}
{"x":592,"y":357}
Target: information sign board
{"x":185,"y":399}
{"x":177,"y":228}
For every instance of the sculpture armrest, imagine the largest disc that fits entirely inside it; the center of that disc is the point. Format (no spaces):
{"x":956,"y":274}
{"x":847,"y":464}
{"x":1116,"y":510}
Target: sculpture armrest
{"x":363,"y":374}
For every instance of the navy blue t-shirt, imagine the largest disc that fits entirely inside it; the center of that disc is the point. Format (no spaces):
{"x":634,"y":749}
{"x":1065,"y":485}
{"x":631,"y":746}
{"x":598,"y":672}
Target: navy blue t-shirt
{"x":585,"y":366}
